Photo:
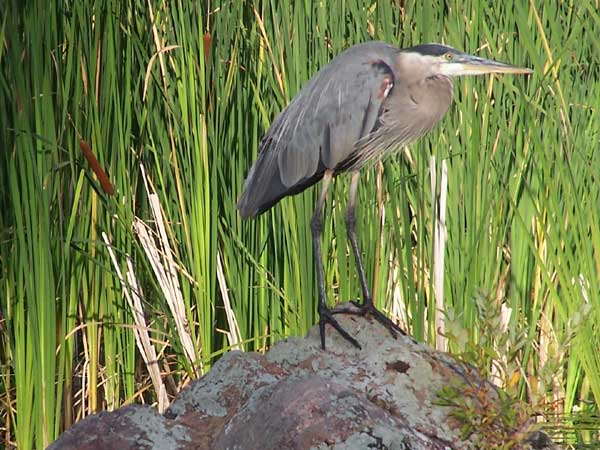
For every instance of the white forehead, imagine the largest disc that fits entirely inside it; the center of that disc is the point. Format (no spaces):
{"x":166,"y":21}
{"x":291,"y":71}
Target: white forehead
{"x":416,"y":66}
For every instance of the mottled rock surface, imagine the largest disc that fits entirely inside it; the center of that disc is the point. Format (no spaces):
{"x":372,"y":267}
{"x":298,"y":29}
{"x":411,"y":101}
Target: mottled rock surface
{"x":298,"y":396}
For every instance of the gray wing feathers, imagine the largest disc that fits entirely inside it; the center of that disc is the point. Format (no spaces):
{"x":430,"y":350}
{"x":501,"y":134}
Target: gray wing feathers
{"x":318,"y":130}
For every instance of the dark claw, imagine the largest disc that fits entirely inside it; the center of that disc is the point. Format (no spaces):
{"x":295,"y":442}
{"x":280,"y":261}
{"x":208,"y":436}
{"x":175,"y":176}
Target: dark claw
{"x":369,"y":308}
{"x":326,"y":316}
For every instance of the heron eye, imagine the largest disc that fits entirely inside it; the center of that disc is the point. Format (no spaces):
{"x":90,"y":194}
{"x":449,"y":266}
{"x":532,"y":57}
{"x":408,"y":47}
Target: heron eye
{"x":449,"y":56}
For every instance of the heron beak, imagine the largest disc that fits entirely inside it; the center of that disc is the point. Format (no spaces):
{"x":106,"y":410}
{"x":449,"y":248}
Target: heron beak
{"x":473,"y":65}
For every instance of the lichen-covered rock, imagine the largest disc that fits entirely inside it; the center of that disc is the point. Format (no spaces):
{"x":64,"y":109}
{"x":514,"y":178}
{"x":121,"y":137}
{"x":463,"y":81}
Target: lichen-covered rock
{"x":298,"y":396}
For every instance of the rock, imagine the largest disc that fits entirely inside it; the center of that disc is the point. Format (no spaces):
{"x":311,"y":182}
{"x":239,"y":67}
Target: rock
{"x":298,"y":396}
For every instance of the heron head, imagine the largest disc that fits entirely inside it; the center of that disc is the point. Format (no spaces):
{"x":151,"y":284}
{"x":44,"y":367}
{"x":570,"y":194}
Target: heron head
{"x":437,"y":59}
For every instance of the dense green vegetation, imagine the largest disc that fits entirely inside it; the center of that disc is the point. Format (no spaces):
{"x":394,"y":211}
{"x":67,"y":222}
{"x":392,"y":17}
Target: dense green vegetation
{"x":172,"y":99}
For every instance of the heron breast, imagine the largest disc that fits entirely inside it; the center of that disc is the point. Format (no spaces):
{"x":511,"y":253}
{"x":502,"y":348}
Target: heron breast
{"x":432,"y":98}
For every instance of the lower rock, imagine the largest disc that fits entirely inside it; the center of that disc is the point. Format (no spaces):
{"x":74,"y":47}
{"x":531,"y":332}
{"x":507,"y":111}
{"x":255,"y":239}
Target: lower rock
{"x":298,"y":396}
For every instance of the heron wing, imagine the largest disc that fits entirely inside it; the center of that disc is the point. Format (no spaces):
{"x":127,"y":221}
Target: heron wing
{"x":318,"y":130}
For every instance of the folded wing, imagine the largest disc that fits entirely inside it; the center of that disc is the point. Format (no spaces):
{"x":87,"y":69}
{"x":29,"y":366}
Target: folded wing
{"x":320,"y":127}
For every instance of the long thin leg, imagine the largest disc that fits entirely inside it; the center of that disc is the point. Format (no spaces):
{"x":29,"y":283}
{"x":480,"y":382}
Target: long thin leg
{"x":316,"y":226}
{"x":351,"y":230}
{"x":367,"y":305}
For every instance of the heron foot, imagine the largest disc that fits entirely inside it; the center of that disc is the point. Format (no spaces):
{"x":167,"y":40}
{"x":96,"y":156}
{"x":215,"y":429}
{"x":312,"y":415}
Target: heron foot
{"x":368,"y":308}
{"x":326,"y":317}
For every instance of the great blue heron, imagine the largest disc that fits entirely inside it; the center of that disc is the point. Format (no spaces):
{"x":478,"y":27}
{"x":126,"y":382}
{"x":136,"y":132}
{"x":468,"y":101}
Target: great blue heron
{"x":367,"y":102}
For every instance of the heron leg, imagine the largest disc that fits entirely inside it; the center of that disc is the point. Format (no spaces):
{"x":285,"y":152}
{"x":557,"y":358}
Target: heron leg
{"x":316,"y":226}
{"x":367,"y":306}
{"x":351,"y":230}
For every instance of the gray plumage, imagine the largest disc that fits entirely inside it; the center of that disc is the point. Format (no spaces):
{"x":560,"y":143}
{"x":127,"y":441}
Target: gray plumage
{"x":367,"y":102}
{"x":342,"y":119}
